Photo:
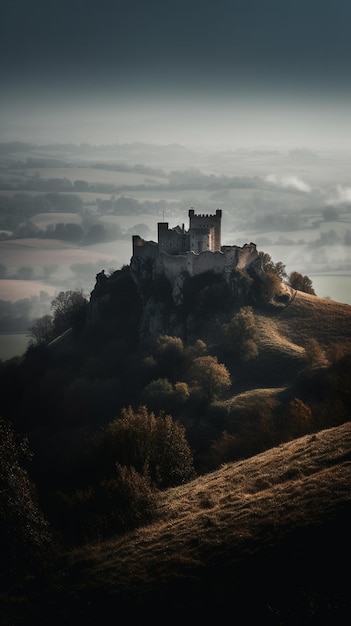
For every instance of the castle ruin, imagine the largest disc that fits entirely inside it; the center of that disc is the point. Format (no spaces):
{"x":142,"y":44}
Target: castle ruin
{"x":194,"y":251}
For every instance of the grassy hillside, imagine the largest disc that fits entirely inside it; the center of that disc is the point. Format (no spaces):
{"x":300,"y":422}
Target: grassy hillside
{"x":265,"y":539}
{"x":284,"y":333}
{"x":310,"y":316}
{"x":261,"y":534}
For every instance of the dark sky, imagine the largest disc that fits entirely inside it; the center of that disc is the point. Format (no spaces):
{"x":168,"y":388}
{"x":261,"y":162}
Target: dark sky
{"x":271,"y":67}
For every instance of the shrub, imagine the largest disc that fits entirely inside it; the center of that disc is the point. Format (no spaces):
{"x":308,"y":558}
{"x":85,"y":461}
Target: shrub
{"x":24,"y":533}
{"x":111,"y":507}
{"x":301,"y":283}
{"x":270,"y":287}
{"x":240,"y":335}
{"x":139,"y":439}
{"x":210,"y":376}
{"x":170,"y":354}
{"x":162,"y":395}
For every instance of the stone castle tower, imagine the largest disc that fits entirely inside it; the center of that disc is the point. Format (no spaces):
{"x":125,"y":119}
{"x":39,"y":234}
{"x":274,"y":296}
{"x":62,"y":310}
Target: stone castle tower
{"x":205,"y":231}
{"x":204,"y":235}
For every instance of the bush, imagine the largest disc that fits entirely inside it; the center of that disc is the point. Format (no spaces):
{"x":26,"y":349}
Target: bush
{"x":211,"y":377}
{"x":170,"y":355}
{"x":161,"y":395}
{"x":139,"y":439}
{"x":240,"y":335}
{"x":301,"y":283}
{"x":111,"y":507}
{"x":270,"y":287}
{"x":24,"y":533}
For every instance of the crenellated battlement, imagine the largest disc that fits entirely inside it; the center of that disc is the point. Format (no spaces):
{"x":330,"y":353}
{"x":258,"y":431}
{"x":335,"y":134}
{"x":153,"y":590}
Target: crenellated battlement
{"x":195,"y":250}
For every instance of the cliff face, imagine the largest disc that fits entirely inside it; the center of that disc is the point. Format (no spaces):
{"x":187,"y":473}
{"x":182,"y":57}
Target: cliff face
{"x":177,"y":268}
{"x":182,"y":295}
{"x":182,"y":277}
{"x":178,"y":299}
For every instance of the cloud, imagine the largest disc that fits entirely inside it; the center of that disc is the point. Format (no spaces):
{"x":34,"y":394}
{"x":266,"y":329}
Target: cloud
{"x":288,"y":182}
{"x":342,"y":195}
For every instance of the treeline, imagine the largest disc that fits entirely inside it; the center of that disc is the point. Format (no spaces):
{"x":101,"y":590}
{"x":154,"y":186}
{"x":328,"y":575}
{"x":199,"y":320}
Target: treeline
{"x":17,"y":209}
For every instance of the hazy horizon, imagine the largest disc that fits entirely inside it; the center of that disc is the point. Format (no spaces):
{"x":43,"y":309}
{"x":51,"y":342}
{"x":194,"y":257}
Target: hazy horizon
{"x":232,"y":74}
{"x":231,"y":81}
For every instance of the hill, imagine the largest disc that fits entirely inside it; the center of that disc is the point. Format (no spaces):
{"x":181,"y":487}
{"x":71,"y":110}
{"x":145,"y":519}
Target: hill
{"x":264,"y":539}
{"x":283,"y":334}
{"x":93,"y":373}
{"x":188,"y":504}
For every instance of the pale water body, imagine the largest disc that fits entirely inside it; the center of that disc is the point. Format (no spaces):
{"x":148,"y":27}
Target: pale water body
{"x":13,"y":344}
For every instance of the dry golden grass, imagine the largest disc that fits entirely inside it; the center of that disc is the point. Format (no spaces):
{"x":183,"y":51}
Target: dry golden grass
{"x":265,"y":539}
{"x":293,"y":483}
{"x":309,"y":317}
{"x":283,"y":334}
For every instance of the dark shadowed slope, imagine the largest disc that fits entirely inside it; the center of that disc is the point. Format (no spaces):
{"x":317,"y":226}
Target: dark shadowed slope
{"x":265,"y":539}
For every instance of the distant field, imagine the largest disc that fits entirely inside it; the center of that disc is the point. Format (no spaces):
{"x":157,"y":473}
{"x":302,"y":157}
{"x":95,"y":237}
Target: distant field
{"x":13,"y":290}
{"x":42,"y":220}
{"x":90,"y":175}
{"x":52,"y":261}
{"x":86,"y":197}
{"x":44,"y":252}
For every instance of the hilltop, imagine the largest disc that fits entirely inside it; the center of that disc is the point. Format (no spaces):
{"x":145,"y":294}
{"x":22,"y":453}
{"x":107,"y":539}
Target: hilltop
{"x":266,"y":538}
{"x":110,"y":363}
{"x":191,"y":447}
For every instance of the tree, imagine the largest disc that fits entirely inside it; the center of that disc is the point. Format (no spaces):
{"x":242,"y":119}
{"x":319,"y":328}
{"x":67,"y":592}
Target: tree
{"x":240,"y":334}
{"x":212,"y":377}
{"x":69,"y":310}
{"x":158,"y":394}
{"x":170,"y":354}
{"x":199,"y":348}
{"x":269,"y":265}
{"x":161,"y":394}
{"x":42,"y":329}
{"x":270,"y":286}
{"x":301,"y":283}
{"x":24,"y":532}
{"x":121,"y":503}
{"x":149,"y":443}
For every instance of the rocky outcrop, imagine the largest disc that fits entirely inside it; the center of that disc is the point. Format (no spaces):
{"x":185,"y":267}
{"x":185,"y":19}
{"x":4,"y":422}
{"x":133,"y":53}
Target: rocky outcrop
{"x":178,"y":294}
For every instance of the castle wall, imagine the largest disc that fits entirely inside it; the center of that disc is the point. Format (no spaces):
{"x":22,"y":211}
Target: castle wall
{"x":172,"y":240}
{"x":230,"y":256}
{"x":194,"y":251}
{"x":144,"y":249}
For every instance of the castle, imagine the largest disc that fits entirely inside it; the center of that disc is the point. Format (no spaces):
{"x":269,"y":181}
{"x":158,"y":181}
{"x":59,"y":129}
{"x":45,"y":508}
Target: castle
{"x":194,"y":251}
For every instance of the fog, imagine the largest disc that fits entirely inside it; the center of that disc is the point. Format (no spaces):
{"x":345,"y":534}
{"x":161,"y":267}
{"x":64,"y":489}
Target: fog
{"x":136,"y":112}
{"x":204,"y":120}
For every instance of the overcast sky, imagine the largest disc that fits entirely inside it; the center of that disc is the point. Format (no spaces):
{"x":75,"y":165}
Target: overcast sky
{"x":228,"y":72}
